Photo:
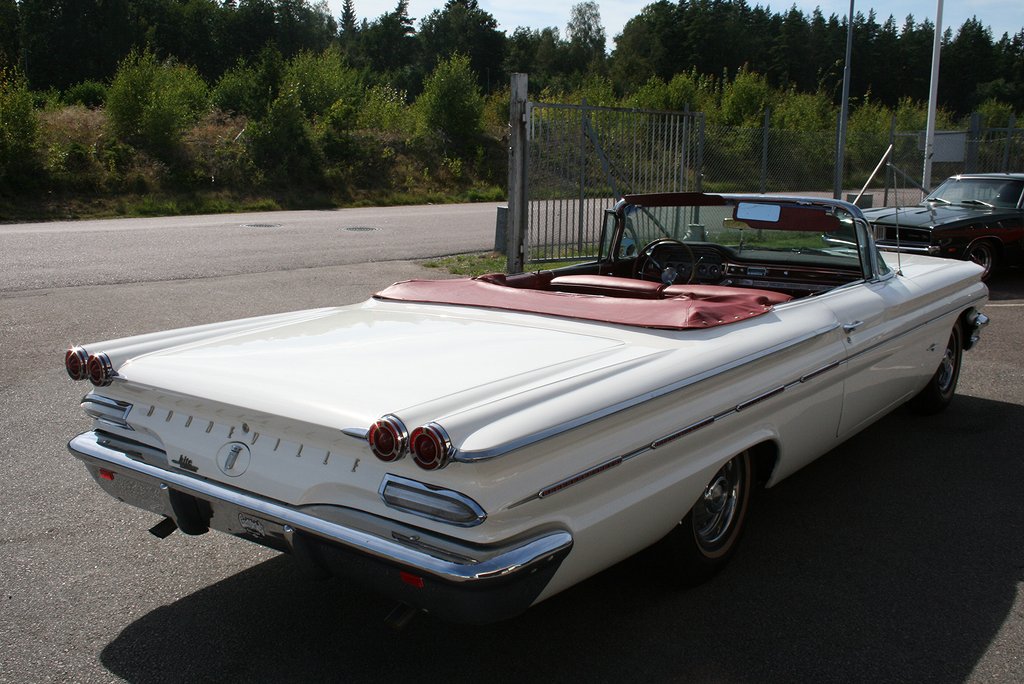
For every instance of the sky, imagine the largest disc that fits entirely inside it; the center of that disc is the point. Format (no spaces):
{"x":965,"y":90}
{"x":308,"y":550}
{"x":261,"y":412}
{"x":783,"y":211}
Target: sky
{"x":1002,"y":16}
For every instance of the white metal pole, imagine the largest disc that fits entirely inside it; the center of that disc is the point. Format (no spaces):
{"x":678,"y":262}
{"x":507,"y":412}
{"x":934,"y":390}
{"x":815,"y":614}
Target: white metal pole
{"x":933,"y":94}
{"x":837,"y":188}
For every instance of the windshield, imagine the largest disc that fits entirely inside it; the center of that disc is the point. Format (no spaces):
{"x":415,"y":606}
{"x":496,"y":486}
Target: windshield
{"x":979,"y":192}
{"x":761,"y":231}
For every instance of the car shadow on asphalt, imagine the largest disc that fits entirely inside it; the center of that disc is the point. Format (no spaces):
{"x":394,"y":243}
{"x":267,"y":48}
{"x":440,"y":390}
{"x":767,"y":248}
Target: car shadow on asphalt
{"x":895,"y":557}
{"x":1007,"y":284}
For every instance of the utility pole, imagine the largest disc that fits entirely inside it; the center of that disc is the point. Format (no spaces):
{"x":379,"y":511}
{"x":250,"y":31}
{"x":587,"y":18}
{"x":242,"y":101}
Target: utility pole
{"x":933,"y":96}
{"x":837,"y":187}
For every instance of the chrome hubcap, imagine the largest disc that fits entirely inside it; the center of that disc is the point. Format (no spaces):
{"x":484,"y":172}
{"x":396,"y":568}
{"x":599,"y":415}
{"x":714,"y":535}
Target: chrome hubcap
{"x":715,"y":513}
{"x":947,"y":368}
{"x":982,"y":257}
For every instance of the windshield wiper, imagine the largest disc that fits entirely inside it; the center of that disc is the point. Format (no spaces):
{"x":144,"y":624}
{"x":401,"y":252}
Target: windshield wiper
{"x":976,"y":201}
{"x":937,"y":199}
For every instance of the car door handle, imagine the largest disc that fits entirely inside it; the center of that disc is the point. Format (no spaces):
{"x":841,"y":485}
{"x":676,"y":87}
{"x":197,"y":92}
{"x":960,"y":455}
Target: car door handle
{"x":850,"y":327}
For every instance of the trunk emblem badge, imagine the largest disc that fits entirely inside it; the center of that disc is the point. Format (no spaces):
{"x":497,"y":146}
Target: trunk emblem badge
{"x":233,"y":459}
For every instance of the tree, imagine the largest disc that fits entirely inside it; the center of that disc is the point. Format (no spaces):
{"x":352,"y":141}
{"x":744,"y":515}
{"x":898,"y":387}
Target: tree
{"x":302,"y":25}
{"x":540,"y":53}
{"x":387,"y":46}
{"x":68,"y":41}
{"x":915,"y":58}
{"x":250,"y":89}
{"x":790,"y":54}
{"x":282,"y":142}
{"x":348,"y":31}
{"x":321,"y":80}
{"x":19,"y":131}
{"x":647,"y":45}
{"x":882,"y":78}
{"x":152,"y":104}
{"x":463,"y":28}
{"x":451,"y":103}
{"x":586,"y":37}
{"x":10,"y":34}
{"x":251,"y":26}
{"x":189,"y":31}
{"x":968,"y":61}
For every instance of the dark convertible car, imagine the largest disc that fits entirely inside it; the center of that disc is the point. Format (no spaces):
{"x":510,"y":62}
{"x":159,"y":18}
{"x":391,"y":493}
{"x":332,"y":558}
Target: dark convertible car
{"x":977,"y":217}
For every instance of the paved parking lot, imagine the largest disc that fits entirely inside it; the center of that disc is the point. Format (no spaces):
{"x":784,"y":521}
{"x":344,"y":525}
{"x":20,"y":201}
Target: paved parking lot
{"x":897,"y":557}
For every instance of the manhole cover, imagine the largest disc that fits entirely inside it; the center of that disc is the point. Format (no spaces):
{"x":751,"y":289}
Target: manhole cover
{"x":360,"y":229}
{"x":261,"y":225}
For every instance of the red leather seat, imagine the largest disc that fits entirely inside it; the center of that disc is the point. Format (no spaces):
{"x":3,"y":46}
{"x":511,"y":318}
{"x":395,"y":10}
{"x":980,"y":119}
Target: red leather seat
{"x":609,"y":286}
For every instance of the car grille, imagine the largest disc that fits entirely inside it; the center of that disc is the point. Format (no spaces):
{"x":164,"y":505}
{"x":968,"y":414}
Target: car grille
{"x":887,"y":234}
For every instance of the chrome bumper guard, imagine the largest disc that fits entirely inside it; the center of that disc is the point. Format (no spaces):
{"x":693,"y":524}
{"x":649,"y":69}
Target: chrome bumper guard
{"x":454,"y":579}
{"x":974,"y":321}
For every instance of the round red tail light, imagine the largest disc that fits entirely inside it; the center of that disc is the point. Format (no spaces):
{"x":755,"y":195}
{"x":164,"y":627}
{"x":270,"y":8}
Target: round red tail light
{"x":388,"y":438}
{"x":101,"y":371}
{"x":76,"y":362}
{"x":431,"y":447}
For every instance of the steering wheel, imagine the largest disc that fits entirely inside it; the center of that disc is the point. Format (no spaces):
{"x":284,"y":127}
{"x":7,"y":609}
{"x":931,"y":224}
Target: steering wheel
{"x":667,"y":273}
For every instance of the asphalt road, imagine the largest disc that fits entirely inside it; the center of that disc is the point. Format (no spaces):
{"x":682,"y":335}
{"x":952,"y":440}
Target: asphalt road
{"x":896,"y":557}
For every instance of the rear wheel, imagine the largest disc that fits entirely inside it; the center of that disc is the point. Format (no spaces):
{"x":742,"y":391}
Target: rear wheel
{"x":940,"y":389}
{"x":983,"y":253}
{"x":703,"y":541}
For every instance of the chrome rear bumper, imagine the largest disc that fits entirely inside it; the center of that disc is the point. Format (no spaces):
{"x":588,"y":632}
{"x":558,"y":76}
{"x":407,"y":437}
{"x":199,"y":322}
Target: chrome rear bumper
{"x":457,"y":580}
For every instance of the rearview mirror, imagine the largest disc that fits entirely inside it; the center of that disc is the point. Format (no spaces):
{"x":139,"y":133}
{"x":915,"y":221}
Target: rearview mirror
{"x":768,"y":213}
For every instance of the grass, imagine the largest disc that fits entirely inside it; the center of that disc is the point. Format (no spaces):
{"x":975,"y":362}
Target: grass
{"x":470,"y":264}
{"x":487,"y":262}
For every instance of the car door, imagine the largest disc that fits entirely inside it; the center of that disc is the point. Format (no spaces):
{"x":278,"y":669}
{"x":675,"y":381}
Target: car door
{"x":887,"y":341}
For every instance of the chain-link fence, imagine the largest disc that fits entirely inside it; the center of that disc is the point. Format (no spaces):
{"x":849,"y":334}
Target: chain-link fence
{"x":798,"y":162}
{"x":583,"y":158}
{"x":577,"y":160}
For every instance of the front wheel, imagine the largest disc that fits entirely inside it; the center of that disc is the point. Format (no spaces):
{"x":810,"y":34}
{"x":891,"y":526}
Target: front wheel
{"x":983,"y":253}
{"x":939,"y":391}
{"x":705,"y":539}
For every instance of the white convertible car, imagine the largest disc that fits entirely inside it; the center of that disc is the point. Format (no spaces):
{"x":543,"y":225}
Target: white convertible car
{"x":471,"y":447}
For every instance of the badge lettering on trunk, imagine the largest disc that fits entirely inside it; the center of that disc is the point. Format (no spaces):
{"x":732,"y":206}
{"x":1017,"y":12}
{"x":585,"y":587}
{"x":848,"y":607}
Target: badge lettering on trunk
{"x":185,"y":463}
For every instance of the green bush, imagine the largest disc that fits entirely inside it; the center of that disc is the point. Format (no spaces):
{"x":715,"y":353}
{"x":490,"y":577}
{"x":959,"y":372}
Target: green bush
{"x":322,"y":79}
{"x":995,"y":114}
{"x":238,"y":91}
{"x":744,"y":100}
{"x":153,"y":104}
{"x":384,"y":109}
{"x":282,"y":144}
{"x":794,"y":111}
{"x":87,"y":93}
{"x":19,"y":132}
{"x":451,"y":104}
{"x":249,"y":89}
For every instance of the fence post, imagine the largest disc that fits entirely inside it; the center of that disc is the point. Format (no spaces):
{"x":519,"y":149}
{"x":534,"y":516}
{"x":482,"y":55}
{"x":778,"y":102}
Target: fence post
{"x":517,"y":174}
{"x":583,"y":177}
{"x":699,"y":171}
{"x":973,"y":141}
{"x":764,"y":149}
{"x":1009,"y":137}
{"x":889,"y":178}
{"x":837,"y":170}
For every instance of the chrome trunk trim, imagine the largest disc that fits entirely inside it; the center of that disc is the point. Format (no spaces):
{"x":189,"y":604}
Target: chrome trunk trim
{"x":486,"y":454}
{"x":106,"y":411}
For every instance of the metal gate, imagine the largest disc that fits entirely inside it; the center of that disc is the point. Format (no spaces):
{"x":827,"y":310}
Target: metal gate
{"x":569,"y":163}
